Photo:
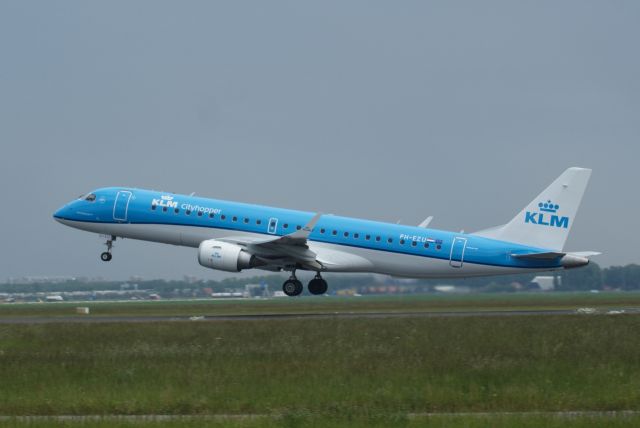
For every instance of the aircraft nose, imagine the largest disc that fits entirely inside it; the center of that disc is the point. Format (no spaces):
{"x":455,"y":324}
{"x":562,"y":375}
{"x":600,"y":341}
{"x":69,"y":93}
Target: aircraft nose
{"x":61,"y":213}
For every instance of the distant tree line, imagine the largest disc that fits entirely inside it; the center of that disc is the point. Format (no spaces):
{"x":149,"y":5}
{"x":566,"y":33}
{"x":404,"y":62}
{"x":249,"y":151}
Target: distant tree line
{"x":591,"y":277}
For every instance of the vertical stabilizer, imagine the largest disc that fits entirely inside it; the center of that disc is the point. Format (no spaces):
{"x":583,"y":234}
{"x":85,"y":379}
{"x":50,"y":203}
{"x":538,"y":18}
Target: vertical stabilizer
{"x":547,"y":220}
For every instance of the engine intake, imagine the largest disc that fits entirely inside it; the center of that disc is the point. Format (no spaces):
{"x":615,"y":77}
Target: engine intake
{"x":224,"y":256}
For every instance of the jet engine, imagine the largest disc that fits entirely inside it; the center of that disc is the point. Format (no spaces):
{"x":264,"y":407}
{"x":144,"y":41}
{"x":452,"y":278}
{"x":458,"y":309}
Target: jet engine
{"x":224,"y":256}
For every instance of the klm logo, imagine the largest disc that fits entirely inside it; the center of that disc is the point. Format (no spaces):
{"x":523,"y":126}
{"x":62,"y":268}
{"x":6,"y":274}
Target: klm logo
{"x":547,"y":216}
{"x":165,"y":201}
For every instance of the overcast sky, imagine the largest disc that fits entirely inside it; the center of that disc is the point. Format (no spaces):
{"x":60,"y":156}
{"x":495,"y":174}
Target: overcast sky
{"x":390,"y":111}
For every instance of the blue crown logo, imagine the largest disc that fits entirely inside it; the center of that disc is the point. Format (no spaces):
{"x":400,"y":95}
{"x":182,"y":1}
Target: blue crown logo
{"x":548,"y":207}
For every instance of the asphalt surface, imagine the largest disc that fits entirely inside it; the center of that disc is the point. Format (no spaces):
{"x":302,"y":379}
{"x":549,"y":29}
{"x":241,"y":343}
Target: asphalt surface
{"x":326,"y":315}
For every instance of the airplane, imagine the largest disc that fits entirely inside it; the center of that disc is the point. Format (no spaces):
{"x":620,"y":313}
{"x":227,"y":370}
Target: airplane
{"x":232,"y":236}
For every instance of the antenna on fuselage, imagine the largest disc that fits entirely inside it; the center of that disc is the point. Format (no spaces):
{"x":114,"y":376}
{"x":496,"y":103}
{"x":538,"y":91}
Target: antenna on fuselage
{"x":192,"y":193}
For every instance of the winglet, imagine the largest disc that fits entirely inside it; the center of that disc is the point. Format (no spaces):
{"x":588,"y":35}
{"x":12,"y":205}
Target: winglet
{"x":426,"y":222}
{"x":306,"y":230}
{"x":297,"y":238}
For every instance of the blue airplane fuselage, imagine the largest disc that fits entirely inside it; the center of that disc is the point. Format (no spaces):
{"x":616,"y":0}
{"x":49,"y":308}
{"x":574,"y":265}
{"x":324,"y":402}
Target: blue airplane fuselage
{"x":344,"y":244}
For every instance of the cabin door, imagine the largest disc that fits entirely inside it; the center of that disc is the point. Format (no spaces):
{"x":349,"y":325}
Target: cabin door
{"x":121,"y":205}
{"x":456,"y":257}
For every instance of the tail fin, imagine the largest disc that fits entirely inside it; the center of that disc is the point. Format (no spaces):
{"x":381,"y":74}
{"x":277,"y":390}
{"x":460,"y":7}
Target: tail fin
{"x":547,"y":220}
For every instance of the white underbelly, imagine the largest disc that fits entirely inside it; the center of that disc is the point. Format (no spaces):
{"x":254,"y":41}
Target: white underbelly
{"x":335,"y":258}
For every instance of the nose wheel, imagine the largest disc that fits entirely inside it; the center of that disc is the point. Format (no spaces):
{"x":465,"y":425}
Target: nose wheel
{"x":106,"y":256}
{"x":317,"y":285}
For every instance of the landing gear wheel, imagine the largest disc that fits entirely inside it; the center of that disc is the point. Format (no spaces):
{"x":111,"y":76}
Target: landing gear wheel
{"x":317,"y":286}
{"x":106,"y":256}
{"x":292,"y":287}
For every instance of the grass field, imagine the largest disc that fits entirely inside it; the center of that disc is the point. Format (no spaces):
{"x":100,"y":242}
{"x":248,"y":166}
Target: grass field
{"x":409,"y":303}
{"x":328,"y":372}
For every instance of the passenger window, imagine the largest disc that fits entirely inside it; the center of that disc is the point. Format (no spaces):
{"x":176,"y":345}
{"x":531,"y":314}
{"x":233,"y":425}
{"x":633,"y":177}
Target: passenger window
{"x":414,"y":243}
{"x":234,"y":218}
{"x":356,"y":235}
{"x":298,"y":227}
{"x":258,"y":221}
{"x":285,"y":226}
{"x":188,"y":212}
{"x":322,"y":230}
{"x":402,"y":242}
{"x":177,"y":210}
{"x":199,"y":213}
{"x":153,"y":207}
{"x":438,"y":247}
{"x":390,"y":240}
{"x":211,"y":215}
{"x":426,"y":245}
{"x":367,"y":237}
{"x":377,"y":239}
{"x":246,"y":220}
{"x":164,"y":209}
{"x":222,"y":217}
{"x":334,"y":233}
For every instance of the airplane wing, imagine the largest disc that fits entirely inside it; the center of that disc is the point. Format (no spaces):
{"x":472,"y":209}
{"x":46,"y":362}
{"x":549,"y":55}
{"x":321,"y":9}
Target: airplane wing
{"x":282,"y":251}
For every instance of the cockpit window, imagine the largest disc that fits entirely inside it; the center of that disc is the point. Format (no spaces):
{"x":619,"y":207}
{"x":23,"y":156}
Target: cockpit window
{"x":90,"y":197}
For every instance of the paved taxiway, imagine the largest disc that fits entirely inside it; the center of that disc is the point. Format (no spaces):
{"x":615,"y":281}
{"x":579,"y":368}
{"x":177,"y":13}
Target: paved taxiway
{"x":266,"y":317}
{"x":274,"y":416}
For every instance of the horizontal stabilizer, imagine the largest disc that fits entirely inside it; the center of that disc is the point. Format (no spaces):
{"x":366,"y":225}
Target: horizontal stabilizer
{"x":539,"y":256}
{"x":567,"y":260}
{"x":585,"y":253}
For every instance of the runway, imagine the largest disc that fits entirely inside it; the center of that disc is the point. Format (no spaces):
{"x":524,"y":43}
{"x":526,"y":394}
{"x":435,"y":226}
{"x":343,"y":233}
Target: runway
{"x":302,"y":316}
{"x":569,"y":414}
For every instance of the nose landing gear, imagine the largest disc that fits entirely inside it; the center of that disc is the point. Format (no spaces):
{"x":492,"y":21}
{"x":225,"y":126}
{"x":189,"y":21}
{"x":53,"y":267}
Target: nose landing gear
{"x":106,"y":256}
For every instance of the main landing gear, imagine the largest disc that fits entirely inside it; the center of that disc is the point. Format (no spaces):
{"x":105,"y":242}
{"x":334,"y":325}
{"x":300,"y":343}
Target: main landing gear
{"x":293,"y":286}
{"x":106,"y":256}
{"x":317,"y":285}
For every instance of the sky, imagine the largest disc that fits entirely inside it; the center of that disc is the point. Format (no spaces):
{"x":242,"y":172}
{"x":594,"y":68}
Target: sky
{"x":390,"y":111}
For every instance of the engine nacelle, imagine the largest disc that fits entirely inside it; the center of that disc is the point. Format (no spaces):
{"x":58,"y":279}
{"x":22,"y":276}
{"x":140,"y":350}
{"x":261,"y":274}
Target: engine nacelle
{"x":224,"y":256}
{"x":571,"y":261}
